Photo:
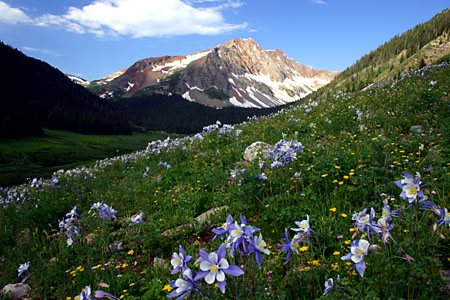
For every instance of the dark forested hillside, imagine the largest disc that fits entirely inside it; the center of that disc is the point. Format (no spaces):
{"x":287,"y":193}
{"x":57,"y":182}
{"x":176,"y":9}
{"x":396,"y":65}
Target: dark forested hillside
{"x":34,"y":95}
{"x":175,"y":114}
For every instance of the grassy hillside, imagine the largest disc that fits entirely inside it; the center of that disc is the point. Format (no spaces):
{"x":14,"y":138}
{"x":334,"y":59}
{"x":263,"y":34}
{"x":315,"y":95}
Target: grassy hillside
{"x":422,"y":45}
{"x":355,"y":147}
{"x":32,"y":157}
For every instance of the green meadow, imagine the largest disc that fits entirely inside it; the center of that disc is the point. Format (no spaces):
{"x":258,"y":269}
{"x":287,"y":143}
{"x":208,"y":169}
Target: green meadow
{"x":32,"y":157}
{"x":355,"y":148}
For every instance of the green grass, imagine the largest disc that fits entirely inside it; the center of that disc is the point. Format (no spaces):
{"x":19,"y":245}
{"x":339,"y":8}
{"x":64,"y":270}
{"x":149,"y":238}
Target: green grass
{"x":40,"y":156}
{"x":343,"y":170}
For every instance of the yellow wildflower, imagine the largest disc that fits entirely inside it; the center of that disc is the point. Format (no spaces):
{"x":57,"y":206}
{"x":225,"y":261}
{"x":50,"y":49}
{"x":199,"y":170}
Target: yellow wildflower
{"x":333,"y":209}
{"x":167,"y":288}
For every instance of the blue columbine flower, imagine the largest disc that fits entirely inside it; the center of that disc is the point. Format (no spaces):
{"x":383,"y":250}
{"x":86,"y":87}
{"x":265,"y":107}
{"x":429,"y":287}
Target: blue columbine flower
{"x":289,"y":246}
{"x":239,"y":236}
{"x":185,"y":287}
{"x":365,"y":222}
{"x":224,"y":230}
{"x":23,"y":269}
{"x":262,"y":177}
{"x":444,"y":215}
{"x":358,"y":250}
{"x":179,"y":261}
{"x":105,"y":212}
{"x":410,"y":188}
{"x":258,"y":246}
{"x":137,"y":219}
{"x":214,"y":267}
{"x":86,"y":294}
{"x":329,"y":284}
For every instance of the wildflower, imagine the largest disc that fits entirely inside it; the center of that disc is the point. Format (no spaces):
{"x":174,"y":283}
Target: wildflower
{"x":444,"y":215}
{"x":23,"y":269}
{"x":258,"y":246}
{"x":147,"y":169}
{"x":387,"y":213}
{"x":167,"y":287}
{"x":262,"y":177}
{"x":224,"y":229}
{"x":179,"y":261}
{"x":72,"y":213}
{"x":184,"y":286}
{"x":303,"y":228}
{"x":137,"y":219}
{"x":328,"y":286}
{"x":383,"y":228}
{"x":85,"y":294}
{"x":358,"y":250}
{"x":364,"y":221}
{"x":284,"y":152}
{"x":105,"y":212}
{"x":240,"y":235}
{"x":333,"y":209}
{"x":215,"y":266}
{"x":410,"y":188}
{"x":289,"y":246}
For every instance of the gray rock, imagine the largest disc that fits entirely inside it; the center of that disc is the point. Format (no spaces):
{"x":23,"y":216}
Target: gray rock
{"x":416,"y":128}
{"x":255,"y":149}
{"x":16,"y":290}
{"x":115,"y":247}
{"x":160,"y":263}
{"x":206,"y":215}
{"x":90,"y":238}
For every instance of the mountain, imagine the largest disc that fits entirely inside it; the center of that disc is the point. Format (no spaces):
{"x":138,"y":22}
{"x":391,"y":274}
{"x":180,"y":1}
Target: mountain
{"x":33,"y":95}
{"x":238,"y":73}
{"x":78,"y":80}
{"x":425,"y":44}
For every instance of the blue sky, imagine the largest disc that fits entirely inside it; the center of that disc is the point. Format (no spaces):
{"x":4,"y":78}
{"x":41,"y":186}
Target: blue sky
{"x":94,"y":38}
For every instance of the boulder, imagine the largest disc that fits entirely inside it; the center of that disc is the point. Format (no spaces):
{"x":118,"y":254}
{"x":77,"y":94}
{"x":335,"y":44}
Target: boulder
{"x":16,"y":291}
{"x":255,"y":149}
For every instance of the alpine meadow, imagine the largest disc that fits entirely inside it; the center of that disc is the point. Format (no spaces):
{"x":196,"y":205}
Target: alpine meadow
{"x":341,"y":194}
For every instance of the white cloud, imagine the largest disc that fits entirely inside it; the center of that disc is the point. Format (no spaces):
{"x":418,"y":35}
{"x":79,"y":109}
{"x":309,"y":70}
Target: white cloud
{"x":143,"y":18}
{"x":12,"y":15}
{"x":45,"y":51}
{"x":319,"y":2}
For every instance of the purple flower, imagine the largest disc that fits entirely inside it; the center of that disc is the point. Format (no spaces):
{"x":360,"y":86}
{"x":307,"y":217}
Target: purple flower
{"x":214,"y":267}
{"x":262,"y":177}
{"x":289,"y":246}
{"x":240,"y":235}
{"x":23,"y":268}
{"x":184,"y":287}
{"x":364,"y":221}
{"x":410,"y":188}
{"x":72,"y":213}
{"x":105,"y":212}
{"x":99,"y":294}
{"x":387,"y":213}
{"x":258,"y":246}
{"x":328,"y":286}
{"x":358,"y":250}
{"x":444,"y":215}
{"x":137,"y":219}
{"x":179,"y":261}
{"x":224,"y":229}
{"x":384,"y":227}
{"x":85,"y":294}
{"x":146,"y":172}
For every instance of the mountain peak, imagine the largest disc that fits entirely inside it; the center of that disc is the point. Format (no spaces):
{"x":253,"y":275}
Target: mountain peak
{"x":237,"y":73}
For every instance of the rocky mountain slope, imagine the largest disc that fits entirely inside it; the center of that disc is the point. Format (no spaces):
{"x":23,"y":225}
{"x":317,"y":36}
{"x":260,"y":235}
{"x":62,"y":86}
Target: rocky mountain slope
{"x":238,"y":73}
